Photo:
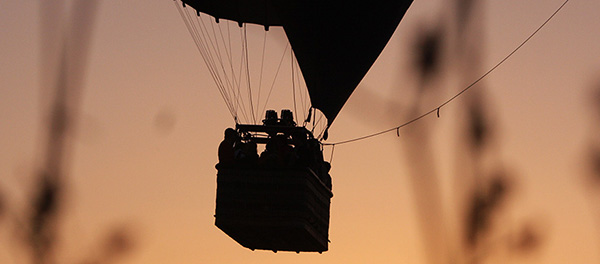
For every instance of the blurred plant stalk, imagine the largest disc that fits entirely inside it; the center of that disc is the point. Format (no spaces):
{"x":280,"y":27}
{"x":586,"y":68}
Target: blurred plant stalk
{"x":65,"y":49}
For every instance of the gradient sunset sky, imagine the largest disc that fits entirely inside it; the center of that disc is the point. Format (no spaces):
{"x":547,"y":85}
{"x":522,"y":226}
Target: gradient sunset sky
{"x":151,"y":119}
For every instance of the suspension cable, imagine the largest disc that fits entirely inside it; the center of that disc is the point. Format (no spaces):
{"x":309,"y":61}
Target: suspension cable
{"x":293,"y":83}
{"x":437,"y":109}
{"x":195,"y":38}
{"x":247,"y":64}
{"x":262,"y":65}
{"x":275,"y":78}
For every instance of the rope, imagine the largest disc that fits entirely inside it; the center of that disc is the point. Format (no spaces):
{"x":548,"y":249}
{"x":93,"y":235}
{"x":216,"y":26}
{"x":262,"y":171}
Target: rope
{"x":195,"y":36}
{"x":240,"y":99}
{"x":331,"y":158}
{"x":293,"y":85}
{"x":437,"y":109}
{"x":275,"y":78}
{"x":262,"y":65}
{"x":245,"y":43}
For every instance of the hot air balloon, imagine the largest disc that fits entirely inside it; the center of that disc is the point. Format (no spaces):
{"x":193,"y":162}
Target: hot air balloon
{"x":333,"y":44}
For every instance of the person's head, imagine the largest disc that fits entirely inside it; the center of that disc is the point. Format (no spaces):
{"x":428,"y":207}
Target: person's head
{"x":251,"y":146}
{"x":280,"y":139}
{"x":230,"y":134}
{"x":270,"y":146}
{"x":299,"y":137}
{"x":314,"y":143}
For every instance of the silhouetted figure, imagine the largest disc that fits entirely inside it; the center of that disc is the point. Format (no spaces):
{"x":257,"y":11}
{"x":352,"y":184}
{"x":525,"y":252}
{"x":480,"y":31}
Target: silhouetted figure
{"x":284,"y":150}
{"x":302,"y":152}
{"x":238,"y":150}
{"x":325,"y":177}
{"x":315,"y":155}
{"x":317,"y":163}
{"x":247,"y":154}
{"x":268,"y":156}
{"x":277,"y":153}
{"x":226,"y":148}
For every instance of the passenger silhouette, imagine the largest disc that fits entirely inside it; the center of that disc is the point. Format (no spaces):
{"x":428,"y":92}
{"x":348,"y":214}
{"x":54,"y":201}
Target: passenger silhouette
{"x":247,"y":154}
{"x":277,"y":152}
{"x":302,"y":152}
{"x":226,"y":148}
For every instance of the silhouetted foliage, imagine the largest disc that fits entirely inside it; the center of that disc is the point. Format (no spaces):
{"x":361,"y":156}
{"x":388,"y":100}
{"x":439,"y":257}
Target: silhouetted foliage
{"x":594,"y":160}
{"x":477,"y":219}
{"x":2,"y":205}
{"x":119,"y":242}
{"x":593,"y":152}
{"x":478,"y":126}
{"x":40,"y":229}
{"x":499,"y":187}
{"x":428,"y":52}
{"x":164,"y":121}
{"x":482,"y":206}
{"x":45,"y":205}
{"x":596,"y":102}
{"x":116,"y":244}
{"x":464,"y":8}
{"x":528,"y":238}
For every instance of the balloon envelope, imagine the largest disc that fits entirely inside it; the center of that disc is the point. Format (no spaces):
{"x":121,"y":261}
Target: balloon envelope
{"x":335,"y":42}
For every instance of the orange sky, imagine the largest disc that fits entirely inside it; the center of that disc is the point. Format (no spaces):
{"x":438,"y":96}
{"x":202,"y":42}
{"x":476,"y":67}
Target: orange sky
{"x":157,"y":178}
